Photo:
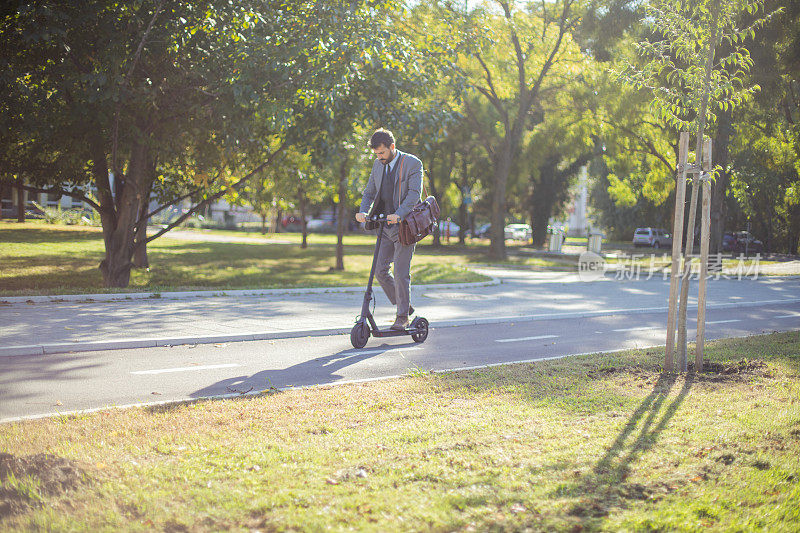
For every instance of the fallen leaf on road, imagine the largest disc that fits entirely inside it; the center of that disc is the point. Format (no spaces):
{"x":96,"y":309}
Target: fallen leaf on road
{"x":156,"y":393}
{"x":59,"y":402}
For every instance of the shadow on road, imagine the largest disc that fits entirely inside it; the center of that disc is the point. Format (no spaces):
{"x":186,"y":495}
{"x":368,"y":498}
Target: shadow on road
{"x":321,"y":370}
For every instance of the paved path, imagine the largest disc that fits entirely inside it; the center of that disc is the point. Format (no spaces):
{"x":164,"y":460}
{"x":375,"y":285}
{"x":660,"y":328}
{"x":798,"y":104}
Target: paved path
{"x":58,"y":327}
{"x":43,"y":385}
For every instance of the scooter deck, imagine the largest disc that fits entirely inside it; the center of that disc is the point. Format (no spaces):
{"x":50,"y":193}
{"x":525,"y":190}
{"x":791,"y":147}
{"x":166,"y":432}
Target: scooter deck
{"x":393,"y":332}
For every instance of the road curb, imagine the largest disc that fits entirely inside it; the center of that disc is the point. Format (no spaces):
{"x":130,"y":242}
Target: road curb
{"x":177,"y":295}
{"x":48,"y":349}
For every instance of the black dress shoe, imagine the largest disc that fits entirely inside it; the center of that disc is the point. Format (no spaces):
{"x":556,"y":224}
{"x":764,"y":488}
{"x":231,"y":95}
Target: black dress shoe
{"x":410,"y":310}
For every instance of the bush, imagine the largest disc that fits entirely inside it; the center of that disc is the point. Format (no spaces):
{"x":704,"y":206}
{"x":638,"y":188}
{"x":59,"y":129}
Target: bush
{"x":56,"y":215}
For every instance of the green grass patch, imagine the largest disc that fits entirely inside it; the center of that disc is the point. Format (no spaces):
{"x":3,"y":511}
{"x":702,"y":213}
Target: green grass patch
{"x":589,"y":443}
{"x":46,"y":259}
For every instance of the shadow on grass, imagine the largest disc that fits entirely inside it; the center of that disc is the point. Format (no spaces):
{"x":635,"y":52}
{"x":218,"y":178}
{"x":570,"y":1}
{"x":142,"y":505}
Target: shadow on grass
{"x":606,"y":485}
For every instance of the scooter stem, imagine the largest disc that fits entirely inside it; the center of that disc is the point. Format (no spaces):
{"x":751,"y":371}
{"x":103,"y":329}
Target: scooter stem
{"x":368,"y":295}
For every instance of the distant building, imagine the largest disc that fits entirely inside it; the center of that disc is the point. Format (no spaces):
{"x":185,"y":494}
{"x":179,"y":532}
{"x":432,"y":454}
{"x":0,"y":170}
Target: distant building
{"x":219,"y":211}
{"x":578,"y":222}
{"x":9,"y":201}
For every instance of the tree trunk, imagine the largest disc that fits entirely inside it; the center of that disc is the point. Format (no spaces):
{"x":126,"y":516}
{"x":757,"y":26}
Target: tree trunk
{"x":793,"y":237}
{"x":497,"y":247}
{"x":542,"y":199}
{"x":437,"y":238}
{"x":263,"y":224}
{"x":119,"y":235}
{"x":20,"y":204}
{"x":140,"y":259}
{"x":140,"y":244}
{"x":278,"y":216}
{"x":720,"y":157}
{"x":2,"y":195}
{"x":301,"y":196}
{"x":342,"y":216}
{"x":462,"y":209}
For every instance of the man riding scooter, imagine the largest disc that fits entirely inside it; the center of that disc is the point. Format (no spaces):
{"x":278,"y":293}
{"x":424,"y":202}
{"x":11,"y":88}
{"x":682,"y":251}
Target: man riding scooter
{"x":393,"y":189}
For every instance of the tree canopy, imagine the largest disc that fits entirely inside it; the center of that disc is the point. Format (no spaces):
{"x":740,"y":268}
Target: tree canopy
{"x":134,"y":106}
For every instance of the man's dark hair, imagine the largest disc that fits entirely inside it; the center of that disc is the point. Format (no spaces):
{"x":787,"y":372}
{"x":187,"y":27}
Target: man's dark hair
{"x":381,"y":137}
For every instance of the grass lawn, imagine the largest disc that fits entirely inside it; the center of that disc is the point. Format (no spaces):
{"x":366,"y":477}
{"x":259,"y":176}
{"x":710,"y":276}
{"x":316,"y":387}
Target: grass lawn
{"x":588,"y":443}
{"x":48,"y":259}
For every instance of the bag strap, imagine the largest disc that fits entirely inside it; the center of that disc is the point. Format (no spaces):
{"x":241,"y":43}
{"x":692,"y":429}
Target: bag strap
{"x":400,"y":178}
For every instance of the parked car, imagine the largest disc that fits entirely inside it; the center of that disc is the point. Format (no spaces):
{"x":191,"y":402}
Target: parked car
{"x":655,"y":237}
{"x":518,"y":232}
{"x":741,"y":242}
{"x":728,"y":242}
{"x":448,"y":225}
{"x":483,"y":231}
{"x":320,"y":224}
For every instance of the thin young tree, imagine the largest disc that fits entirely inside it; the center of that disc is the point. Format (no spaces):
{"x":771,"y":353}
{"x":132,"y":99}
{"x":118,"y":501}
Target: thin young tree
{"x":690,"y":84}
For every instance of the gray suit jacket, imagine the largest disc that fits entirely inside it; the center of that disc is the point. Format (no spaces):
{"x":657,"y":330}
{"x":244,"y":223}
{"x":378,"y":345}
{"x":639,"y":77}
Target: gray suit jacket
{"x":408,"y":178}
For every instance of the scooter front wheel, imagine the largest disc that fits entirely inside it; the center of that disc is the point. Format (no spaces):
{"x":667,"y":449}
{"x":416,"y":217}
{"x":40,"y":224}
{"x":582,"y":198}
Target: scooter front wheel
{"x":359,"y":335}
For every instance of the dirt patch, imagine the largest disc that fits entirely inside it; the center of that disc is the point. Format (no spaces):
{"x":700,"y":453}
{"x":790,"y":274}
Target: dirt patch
{"x":23,"y":479}
{"x":712,"y":370}
{"x":733,"y":370}
{"x":637,"y":370}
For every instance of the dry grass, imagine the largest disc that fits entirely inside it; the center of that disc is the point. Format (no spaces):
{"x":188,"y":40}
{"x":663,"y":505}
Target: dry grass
{"x":601,"y":442}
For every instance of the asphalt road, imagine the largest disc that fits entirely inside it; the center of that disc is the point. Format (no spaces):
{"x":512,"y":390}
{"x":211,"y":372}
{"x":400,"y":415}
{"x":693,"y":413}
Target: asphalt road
{"x":41,"y":385}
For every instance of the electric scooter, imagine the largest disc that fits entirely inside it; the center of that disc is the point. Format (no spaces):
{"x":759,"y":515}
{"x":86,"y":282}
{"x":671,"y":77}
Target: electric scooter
{"x":365,"y":324}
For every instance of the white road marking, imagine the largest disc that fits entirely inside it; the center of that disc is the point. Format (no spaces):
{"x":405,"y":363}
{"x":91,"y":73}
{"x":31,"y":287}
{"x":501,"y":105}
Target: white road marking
{"x":528,"y":338}
{"x":723,"y":321}
{"x":788,"y":316}
{"x":639,"y":328}
{"x":184,"y":369}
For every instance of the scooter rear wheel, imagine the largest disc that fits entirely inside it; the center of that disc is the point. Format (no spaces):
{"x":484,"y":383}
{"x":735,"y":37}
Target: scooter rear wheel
{"x":422,"y":330}
{"x":359,"y":335}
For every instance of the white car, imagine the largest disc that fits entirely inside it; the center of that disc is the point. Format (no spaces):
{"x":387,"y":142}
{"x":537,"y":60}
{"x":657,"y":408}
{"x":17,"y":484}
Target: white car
{"x":316,"y":224}
{"x":518,"y":232}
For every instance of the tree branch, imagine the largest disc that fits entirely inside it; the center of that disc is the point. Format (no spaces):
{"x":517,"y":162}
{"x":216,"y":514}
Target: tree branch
{"x":562,"y":28}
{"x":484,"y":140}
{"x":221,"y":193}
{"x":115,"y":135}
{"x":523,"y":84}
{"x":180,"y":199}
{"x":647,"y":143}
{"x":491,"y":94}
{"x":544,"y":20}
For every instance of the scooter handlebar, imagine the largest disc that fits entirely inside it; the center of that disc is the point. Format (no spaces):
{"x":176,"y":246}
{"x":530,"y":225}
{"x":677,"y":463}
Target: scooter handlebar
{"x":377,"y":218}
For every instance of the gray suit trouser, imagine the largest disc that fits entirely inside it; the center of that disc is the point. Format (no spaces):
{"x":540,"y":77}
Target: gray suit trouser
{"x":397,"y":288}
